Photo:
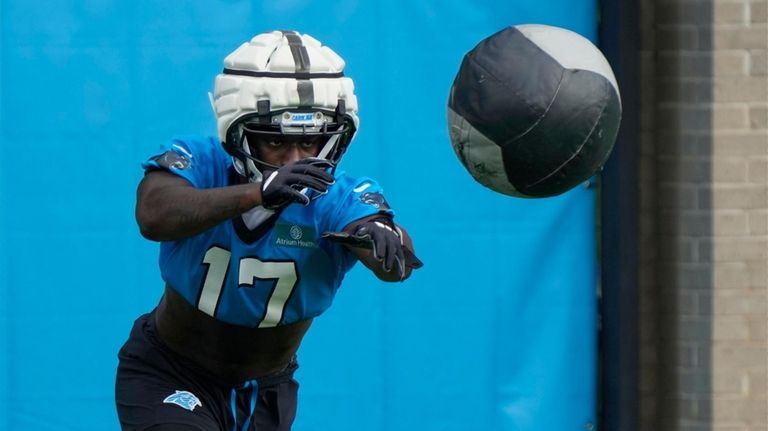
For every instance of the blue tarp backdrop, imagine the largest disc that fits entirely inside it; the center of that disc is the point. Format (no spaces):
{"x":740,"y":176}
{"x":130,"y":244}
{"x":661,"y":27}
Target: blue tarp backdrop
{"x":496,"y":332}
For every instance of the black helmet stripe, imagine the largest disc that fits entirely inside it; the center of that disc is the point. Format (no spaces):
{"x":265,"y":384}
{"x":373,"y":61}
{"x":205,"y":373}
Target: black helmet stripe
{"x":306,"y":92}
{"x":228,"y":71}
{"x":299,"y":51}
{"x":302,"y":64}
{"x":301,"y":74}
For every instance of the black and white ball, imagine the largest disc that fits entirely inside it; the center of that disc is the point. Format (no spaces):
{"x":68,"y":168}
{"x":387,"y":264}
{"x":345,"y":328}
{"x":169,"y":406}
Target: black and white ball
{"x":534,"y":111}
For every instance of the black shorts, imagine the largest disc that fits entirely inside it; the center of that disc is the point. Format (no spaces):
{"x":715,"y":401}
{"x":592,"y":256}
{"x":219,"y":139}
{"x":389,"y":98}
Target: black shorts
{"x":154,"y":386}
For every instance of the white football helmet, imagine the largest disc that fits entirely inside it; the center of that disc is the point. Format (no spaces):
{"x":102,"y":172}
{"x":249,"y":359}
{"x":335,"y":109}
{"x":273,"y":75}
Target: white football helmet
{"x":283,"y":83}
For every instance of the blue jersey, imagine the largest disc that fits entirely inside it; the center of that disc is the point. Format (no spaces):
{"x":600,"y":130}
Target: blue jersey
{"x":274,"y":271}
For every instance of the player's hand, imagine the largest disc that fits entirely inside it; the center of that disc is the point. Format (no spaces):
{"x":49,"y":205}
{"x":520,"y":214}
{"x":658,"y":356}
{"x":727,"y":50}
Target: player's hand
{"x":384,"y":240}
{"x":284,"y":186}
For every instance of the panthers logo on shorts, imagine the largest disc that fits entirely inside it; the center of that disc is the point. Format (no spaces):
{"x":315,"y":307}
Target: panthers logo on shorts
{"x":183,"y":399}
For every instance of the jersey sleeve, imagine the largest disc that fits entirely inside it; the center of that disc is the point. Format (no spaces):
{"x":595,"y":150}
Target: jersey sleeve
{"x":352,"y":199}
{"x":201,"y":161}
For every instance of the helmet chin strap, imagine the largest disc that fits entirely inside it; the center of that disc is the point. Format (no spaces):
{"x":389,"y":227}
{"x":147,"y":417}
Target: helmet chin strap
{"x":323,"y":154}
{"x":247,"y":168}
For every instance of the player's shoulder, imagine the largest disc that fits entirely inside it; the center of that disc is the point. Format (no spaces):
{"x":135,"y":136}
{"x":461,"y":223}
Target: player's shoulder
{"x":350,"y":198}
{"x":199,"y":159}
{"x":196,"y":143}
{"x":345,"y":182}
{"x":203,"y":148}
{"x":363,"y":188}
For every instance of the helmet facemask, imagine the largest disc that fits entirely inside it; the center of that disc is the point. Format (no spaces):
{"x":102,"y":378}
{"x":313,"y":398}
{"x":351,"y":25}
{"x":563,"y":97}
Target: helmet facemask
{"x":334,"y":128}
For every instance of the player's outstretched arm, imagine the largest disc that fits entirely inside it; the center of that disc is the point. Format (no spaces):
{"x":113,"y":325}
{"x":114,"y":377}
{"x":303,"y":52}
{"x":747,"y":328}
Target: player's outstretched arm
{"x":383,"y":246}
{"x":170,"y":208}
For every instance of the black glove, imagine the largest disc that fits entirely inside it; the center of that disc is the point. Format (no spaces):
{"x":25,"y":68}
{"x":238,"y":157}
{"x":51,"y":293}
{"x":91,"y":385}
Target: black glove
{"x":381,"y":236}
{"x":282,"y":187}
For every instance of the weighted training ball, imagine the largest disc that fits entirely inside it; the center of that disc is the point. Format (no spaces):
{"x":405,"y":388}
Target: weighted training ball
{"x":534,"y":111}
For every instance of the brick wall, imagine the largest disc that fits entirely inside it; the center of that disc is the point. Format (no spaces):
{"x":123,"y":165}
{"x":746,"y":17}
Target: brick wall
{"x":704,"y":215}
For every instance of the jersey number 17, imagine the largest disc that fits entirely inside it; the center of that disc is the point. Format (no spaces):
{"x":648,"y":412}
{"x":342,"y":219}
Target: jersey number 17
{"x":251,"y":269}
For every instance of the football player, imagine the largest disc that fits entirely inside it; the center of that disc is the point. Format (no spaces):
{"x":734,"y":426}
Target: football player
{"x":257,"y":230}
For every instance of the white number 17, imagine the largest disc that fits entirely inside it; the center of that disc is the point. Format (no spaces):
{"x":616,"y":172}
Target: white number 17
{"x":251,"y":270}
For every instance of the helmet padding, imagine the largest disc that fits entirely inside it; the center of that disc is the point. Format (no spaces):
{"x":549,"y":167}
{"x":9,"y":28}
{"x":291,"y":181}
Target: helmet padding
{"x":273,"y":77}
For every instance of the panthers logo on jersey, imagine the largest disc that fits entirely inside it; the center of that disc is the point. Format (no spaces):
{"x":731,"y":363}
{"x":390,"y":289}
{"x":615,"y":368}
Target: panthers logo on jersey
{"x":173,"y":159}
{"x":374,"y":199}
